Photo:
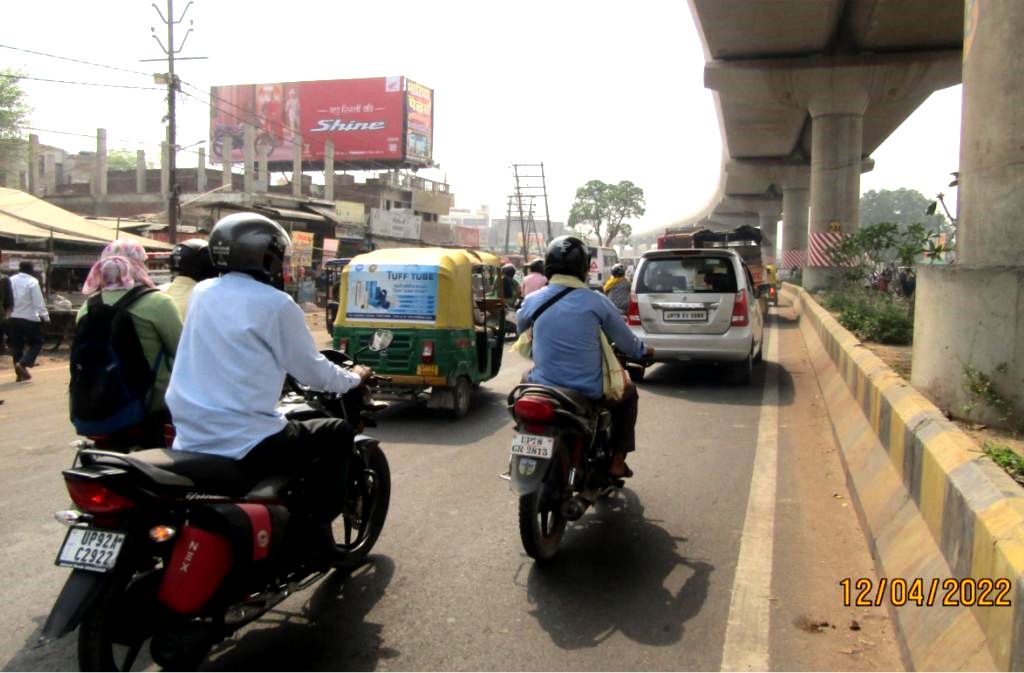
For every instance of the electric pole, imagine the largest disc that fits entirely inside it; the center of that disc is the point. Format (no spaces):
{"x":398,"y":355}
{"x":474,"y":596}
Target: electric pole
{"x":173,"y":86}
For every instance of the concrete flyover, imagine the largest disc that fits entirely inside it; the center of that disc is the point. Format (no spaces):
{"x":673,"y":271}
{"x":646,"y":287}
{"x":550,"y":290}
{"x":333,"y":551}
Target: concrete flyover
{"x":805,"y":92}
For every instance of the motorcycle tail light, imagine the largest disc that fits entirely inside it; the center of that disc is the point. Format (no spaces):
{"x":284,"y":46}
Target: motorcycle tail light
{"x":169,"y":435}
{"x":427,"y":356}
{"x":534,"y":409}
{"x":343,"y":345}
{"x":95,"y":498}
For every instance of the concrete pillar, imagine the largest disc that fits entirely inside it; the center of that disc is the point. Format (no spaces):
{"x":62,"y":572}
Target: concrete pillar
{"x":297,"y":167}
{"x":248,"y":155}
{"x":140,"y":172}
{"x":225,"y":166}
{"x":837,"y":134}
{"x":33,"y":163}
{"x":165,"y":169}
{"x":201,"y":171}
{"x":972,"y":313}
{"x":263,"y":177}
{"x":768,"y":222}
{"x":329,"y":170}
{"x":796,"y":202}
{"x":50,"y":170}
{"x":100,"y":168}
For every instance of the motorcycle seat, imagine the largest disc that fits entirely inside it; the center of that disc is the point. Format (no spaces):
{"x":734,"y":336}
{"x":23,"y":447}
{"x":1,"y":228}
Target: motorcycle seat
{"x":571,"y":400}
{"x":192,"y":470}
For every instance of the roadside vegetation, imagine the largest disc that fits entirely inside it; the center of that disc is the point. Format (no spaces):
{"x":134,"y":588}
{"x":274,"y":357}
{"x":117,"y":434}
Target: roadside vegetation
{"x":1006,"y":458}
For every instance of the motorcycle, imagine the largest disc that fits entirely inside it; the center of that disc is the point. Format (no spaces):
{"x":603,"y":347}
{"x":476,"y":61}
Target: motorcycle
{"x":559,"y":462}
{"x":183,"y":549}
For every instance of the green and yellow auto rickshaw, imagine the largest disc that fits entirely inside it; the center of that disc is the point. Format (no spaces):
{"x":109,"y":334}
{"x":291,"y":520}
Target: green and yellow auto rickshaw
{"x":445,"y":310}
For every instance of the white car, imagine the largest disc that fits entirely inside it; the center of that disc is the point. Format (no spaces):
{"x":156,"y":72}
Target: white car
{"x":601,"y":262}
{"x":698,"y":305}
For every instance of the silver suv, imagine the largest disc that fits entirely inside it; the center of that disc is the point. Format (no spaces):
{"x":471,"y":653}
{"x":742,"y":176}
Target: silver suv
{"x":698,"y":305}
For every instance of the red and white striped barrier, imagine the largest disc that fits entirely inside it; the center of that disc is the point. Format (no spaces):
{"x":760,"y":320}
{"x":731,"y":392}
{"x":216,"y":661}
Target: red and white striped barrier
{"x":819,"y":248}
{"x":793,"y":259}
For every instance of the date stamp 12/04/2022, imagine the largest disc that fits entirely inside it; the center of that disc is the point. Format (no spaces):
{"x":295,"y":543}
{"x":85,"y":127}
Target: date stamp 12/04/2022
{"x":948,"y":592}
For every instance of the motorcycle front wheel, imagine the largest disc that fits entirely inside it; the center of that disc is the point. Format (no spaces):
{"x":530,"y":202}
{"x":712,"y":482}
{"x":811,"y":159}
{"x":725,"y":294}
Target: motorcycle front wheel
{"x":117,"y":626}
{"x":541,"y":524}
{"x":357,"y":528}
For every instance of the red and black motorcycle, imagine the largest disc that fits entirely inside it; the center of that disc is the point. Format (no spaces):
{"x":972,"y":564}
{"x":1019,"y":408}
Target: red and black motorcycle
{"x":182,"y":549}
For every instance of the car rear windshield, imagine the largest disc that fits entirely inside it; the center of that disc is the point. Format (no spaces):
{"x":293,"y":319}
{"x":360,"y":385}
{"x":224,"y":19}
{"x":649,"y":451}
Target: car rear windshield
{"x":687,"y":274}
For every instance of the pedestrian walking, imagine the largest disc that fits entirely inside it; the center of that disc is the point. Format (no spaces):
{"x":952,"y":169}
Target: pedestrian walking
{"x":25,"y":326}
{"x":6,"y":306}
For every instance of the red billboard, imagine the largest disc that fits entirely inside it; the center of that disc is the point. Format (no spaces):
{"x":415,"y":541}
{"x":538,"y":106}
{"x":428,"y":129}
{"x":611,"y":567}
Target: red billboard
{"x":377,"y":119}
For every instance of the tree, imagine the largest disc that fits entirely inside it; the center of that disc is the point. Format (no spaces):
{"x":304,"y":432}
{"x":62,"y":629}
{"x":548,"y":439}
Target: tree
{"x":605,"y":208}
{"x":124,"y":160}
{"x":14,"y":114}
{"x":902,"y":207}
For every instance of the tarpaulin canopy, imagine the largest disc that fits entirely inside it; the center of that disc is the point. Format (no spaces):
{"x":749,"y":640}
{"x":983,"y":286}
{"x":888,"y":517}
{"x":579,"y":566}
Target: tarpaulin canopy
{"x":25,"y":216}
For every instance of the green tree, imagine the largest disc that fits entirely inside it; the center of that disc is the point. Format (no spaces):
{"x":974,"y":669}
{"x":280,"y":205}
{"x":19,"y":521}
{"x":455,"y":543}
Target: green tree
{"x":604,"y":209}
{"x":124,"y":160}
{"x":902,"y":207}
{"x":14,"y":114}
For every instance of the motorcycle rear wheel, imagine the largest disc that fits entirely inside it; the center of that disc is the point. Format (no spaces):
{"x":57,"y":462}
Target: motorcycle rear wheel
{"x":541,"y":525}
{"x":111,"y":636}
{"x":356,"y":530}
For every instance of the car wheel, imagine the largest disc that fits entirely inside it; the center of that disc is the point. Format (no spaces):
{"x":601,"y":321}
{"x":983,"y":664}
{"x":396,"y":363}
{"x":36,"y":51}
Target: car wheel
{"x":743,"y":371}
{"x":636,"y":373}
{"x":759,"y":358}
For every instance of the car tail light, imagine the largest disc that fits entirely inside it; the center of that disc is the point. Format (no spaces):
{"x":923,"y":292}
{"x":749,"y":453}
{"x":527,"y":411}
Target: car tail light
{"x":95,"y":498}
{"x":427,"y":356}
{"x":633,"y":312}
{"x":740,"y":312}
{"x":534,"y":409}
{"x":343,"y":345}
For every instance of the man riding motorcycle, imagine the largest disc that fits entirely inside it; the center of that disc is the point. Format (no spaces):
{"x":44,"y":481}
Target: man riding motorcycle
{"x":241,"y":338}
{"x":190,"y":263}
{"x":566,"y":345}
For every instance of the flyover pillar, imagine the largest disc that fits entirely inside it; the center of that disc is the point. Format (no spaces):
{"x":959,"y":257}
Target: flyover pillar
{"x":971,"y":314}
{"x":837,"y":130}
{"x":796,"y":200}
{"x":768,"y":221}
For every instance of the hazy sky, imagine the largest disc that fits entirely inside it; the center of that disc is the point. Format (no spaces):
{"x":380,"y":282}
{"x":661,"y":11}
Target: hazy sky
{"x":595,"y":90}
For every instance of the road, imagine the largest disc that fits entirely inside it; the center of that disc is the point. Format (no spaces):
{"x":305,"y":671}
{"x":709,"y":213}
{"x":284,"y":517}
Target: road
{"x":648,"y":581}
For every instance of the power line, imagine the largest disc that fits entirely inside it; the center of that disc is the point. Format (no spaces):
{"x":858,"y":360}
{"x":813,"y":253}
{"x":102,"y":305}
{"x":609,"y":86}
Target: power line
{"x":74,"y":60}
{"x":64,"y":81}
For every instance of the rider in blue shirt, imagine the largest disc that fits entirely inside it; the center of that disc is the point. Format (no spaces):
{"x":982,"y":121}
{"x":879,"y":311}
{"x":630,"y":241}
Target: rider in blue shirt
{"x":566,"y":344}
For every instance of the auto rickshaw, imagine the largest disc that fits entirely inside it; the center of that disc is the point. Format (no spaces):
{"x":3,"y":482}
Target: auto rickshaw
{"x":772,"y":279}
{"x":445,"y":310}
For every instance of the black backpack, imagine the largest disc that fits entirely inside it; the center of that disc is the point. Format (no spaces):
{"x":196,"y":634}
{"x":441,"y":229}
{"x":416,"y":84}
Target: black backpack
{"x":111,"y":381}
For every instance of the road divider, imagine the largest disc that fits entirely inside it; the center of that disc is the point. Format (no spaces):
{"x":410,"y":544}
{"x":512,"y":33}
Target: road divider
{"x":934,"y":507}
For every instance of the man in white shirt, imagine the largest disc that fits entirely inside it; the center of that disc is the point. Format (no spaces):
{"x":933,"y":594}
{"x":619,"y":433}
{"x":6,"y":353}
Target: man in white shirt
{"x":25,"y":327}
{"x":241,"y":338}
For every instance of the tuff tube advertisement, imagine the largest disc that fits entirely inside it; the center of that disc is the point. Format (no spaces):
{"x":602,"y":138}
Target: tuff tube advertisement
{"x":365,"y":118}
{"x":392,"y":293}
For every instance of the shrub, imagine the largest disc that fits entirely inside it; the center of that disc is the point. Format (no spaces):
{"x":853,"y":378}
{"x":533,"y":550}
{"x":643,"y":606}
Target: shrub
{"x":872,"y":317}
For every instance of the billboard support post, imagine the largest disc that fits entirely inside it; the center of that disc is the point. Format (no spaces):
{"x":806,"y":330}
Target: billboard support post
{"x":297,"y":167}
{"x":329,"y":170}
{"x":263,"y":174}
{"x":248,"y":152}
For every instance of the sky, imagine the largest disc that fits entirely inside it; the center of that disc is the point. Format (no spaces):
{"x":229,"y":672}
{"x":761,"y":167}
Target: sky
{"x":587,"y":88}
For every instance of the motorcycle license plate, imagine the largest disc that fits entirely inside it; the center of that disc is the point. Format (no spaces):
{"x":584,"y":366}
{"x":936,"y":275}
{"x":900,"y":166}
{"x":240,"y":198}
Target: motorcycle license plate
{"x":534,"y":446}
{"x":90,"y":549}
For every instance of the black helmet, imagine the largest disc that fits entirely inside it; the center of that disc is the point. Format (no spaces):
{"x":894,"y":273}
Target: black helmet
{"x":618,"y":271}
{"x":568,"y":255}
{"x":537,"y":266}
{"x":251,"y":243}
{"x":509,"y":270}
{"x":191,"y":259}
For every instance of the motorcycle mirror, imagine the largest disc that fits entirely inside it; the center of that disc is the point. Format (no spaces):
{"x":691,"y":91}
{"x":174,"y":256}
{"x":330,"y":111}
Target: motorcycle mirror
{"x":381,"y":339}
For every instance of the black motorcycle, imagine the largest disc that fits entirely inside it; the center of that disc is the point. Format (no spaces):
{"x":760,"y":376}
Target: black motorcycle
{"x":182,"y":549}
{"x":559,"y":462}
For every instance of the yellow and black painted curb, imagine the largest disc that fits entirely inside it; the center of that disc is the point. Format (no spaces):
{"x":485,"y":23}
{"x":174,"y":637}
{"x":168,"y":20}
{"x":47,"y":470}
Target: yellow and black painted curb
{"x":972,"y":509}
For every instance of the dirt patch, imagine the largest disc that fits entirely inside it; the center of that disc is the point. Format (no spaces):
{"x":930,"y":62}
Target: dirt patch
{"x":899,"y":358}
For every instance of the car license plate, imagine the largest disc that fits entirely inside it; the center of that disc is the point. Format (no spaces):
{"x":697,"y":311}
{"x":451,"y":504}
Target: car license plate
{"x":685,"y":316}
{"x":426,"y":370}
{"x":90,"y":549}
{"x":534,"y":446}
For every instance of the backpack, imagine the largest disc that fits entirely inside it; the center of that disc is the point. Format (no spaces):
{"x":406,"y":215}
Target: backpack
{"x":111,"y":381}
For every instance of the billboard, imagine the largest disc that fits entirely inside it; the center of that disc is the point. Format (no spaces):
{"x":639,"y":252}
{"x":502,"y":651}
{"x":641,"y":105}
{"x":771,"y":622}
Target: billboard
{"x":397,"y":223}
{"x":302,"y":248}
{"x":376,"y":119}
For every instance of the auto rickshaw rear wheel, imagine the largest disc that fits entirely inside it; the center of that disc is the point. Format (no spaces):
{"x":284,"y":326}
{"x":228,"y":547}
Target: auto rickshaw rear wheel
{"x":462,"y":394}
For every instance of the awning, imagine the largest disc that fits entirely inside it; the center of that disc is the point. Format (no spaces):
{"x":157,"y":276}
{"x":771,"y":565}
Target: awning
{"x":25,"y":216}
{"x":289,"y":214}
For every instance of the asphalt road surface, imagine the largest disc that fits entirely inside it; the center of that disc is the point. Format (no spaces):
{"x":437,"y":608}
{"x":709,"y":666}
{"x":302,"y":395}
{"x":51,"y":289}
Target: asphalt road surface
{"x":704,"y":561}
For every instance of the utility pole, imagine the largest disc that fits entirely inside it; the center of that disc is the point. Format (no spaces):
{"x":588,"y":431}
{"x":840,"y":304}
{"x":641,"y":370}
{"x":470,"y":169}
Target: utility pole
{"x":173,"y":86}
